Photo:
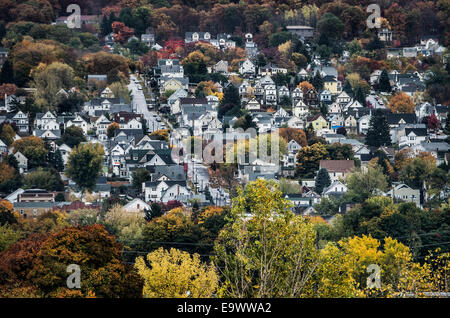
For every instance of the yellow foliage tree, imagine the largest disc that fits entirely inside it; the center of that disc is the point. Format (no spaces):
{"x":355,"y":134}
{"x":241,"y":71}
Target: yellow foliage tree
{"x":176,"y":274}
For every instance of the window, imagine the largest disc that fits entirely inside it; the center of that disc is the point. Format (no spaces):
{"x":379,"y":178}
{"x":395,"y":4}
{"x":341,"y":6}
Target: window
{"x":34,"y":211}
{"x":21,"y":212}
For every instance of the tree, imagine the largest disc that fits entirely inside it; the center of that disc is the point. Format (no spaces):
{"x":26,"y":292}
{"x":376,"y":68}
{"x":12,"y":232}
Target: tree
{"x":417,"y":170}
{"x":73,"y":136}
{"x":287,"y":186}
{"x":296,"y":134}
{"x":105,"y":26}
{"x":230,"y":105}
{"x":322,"y":180}
{"x":7,"y":73}
{"x":378,"y":132}
{"x":85,"y":164}
{"x":384,"y":83}
{"x":112,"y":129}
{"x":160,"y":134}
{"x":154,"y":212}
{"x":98,"y":255}
{"x":33,"y":148}
{"x":401,"y":103}
{"x":176,"y":274}
{"x":55,"y":160}
{"x":433,"y":122}
{"x":367,"y":183}
{"x":140,"y":176}
{"x":248,"y":250}
{"x":48,"y":179}
{"x":7,"y":134}
{"x":48,"y":81}
{"x":245,"y":122}
{"x":308,"y":159}
{"x":331,"y":26}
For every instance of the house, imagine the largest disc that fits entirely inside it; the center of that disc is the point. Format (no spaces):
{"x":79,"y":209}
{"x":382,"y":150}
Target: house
{"x":3,"y":148}
{"x":247,"y":67}
{"x":221,"y":67}
{"x":79,"y":122}
{"x":107,"y":93}
{"x":155,"y":190}
{"x":21,"y":121}
{"x":293,"y":146}
{"x":253,"y":105}
{"x":295,"y":122}
{"x":325,"y":96}
{"x":136,"y":206}
{"x":337,"y":168}
{"x":336,"y":189}
{"x":148,"y":39}
{"x":318,"y":122}
{"x":22,"y":161}
{"x":404,"y":193}
{"x":413,"y":136}
{"x":271,"y":70}
{"x":363,"y":124}
{"x":35,"y":208}
{"x":311,"y":98}
{"x":331,"y":84}
{"x":343,"y":99}
{"x":197,"y":36}
{"x":251,"y":48}
{"x":303,"y":31}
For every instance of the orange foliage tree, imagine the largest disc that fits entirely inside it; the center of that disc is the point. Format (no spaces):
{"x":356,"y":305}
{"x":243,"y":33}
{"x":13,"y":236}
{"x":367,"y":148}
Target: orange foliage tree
{"x":294,"y":134}
{"x":99,"y":257}
{"x":401,"y":103}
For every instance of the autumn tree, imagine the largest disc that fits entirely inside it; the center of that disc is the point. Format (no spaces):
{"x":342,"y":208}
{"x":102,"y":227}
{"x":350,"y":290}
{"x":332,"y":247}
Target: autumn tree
{"x":176,"y":274}
{"x":401,"y":103}
{"x":84,"y":165}
{"x":112,"y":129}
{"x":33,"y":148}
{"x":48,"y":81}
{"x":98,"y":255}
{"x":308,"y":159}
{"x":248,"y":250}
{"x":293,"y":134}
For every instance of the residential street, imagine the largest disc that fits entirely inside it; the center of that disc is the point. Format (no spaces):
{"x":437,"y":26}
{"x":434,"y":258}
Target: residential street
{"x":140,"y":106}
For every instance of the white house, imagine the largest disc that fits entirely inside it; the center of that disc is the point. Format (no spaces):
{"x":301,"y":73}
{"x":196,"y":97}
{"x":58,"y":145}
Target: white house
{"x":136,"y":206}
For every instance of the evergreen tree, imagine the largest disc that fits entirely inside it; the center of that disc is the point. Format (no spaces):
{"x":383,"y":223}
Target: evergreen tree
{"x":231,"y":102}
{"x":322,"y":180}
{"x":348,"y":88}
{"x":360,"y":96}
{"x":105,"y":26}
{"x":378,"y":132}
{"x":317,"y":81}
{"x":384,"y":83}
{"x":7,"y":74}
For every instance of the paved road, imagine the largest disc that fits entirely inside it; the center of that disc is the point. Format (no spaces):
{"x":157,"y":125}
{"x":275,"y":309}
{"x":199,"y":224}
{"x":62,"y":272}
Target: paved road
{"x":139,"y":105}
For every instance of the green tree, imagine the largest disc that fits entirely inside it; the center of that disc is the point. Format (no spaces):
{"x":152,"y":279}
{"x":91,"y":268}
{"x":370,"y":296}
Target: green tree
{"x":48,"y":179}
{"x":367,"y":183}
{"x":85,"y":164}
{"x":384,"y":83}
{"x":7,"y":73}
{"x":378,"y":132}
{"x":322,"y":180}
{"x":230,"y":105}
{"x":140,"y":176}
{"x":73,"y":136}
